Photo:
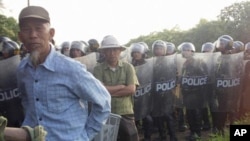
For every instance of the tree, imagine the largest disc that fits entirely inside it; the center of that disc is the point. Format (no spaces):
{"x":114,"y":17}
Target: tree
{"x":8,"y":27}
{"x":237,"y":20}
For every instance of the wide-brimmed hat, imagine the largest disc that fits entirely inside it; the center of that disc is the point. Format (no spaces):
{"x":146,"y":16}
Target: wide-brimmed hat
{"x":110,"y":41}
{"x":34,"y":12}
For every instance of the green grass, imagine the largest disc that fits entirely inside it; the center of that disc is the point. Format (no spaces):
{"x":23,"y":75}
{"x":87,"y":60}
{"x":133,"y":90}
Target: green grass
{"x":245,"y":120}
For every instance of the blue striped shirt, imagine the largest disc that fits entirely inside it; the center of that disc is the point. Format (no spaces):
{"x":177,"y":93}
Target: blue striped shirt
{"x":55,"y":95}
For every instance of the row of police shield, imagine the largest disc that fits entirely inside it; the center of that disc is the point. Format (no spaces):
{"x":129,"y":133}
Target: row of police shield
{"x":159,"y":76}
{"x":158,"y":79}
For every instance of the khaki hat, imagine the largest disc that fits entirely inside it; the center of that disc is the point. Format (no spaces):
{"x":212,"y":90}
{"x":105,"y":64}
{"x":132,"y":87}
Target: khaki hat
{"x":34,"y":12}
{"x":110,"y":41}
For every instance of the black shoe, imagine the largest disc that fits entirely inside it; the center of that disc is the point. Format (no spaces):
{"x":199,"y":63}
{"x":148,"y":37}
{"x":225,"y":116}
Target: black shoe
{"x":214,"y":132}
{"x":182,"y":128}
{"x":163,"y":138}
{"x":173,"y":138}
{"x":147,"y":139}
{"x":206,"y":127}
{"x":194,"y":137}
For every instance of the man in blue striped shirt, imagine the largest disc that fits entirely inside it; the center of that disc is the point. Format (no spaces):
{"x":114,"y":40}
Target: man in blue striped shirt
{"x":55,"y":89}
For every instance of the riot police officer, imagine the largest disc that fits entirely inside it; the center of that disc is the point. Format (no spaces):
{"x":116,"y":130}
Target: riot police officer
{"x":247,"y":51}
{"x":207,"y":47}
{"x":164,"y":84}
{"x":10,"y":102}
{"x":193,"y":85}
{"x":77,"y":49}
{"x":146,"y":48}
{"x":227,"y":71}
{"x":138,"y":54}
{"x":65,"y":47}
{"x":171,"y":49}
{"x":9,"y":49}
{"x":238,"y":46}
{"x":93,"y":45}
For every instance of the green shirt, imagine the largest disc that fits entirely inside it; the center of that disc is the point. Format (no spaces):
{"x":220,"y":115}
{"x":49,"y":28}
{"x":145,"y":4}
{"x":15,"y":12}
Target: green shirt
{"x":124,"y":74}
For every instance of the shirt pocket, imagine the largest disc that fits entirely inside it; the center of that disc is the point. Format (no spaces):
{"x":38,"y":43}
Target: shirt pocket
{"x":58,"y":100}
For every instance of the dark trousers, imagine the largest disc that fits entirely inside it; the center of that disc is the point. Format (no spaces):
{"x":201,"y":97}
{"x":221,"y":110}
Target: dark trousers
{"x":194,"y":119}
{"x":180,"y":117}
{"x":205,"y":117}
{"x":127,"y":129}
{"x":170,"y":120}
{"x":220,"y":119}
{"x":147,"y":124}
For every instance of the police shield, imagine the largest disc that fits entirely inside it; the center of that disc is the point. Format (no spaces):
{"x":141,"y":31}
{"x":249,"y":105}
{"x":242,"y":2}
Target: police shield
{"x":142,"y":97}
{"x":228,"y":79}
{"x":164,"y":83}
{"x":246,"y":89}
{"x":194,"y":77}
{"x":10,"y":103}
{"x":89,"y":60}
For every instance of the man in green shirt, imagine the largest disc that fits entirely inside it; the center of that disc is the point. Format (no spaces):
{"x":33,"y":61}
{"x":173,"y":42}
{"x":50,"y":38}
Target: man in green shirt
{"x":120,"y":79}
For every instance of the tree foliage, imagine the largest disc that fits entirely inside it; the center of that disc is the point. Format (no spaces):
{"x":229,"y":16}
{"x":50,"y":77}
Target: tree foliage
{"x":8,"y":27}
{"x":237,"y":19}
{"x":233,"y":20}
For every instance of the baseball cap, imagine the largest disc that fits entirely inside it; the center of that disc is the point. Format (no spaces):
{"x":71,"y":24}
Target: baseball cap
{"x":34,"y":12}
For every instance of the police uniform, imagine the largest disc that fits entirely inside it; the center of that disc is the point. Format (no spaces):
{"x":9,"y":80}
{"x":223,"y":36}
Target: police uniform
{"x":227,"y":89}
{"x":193,"y":92}
{"x":147,"y":121}
{"x":164,"y":78}
{"x":10,"y":102}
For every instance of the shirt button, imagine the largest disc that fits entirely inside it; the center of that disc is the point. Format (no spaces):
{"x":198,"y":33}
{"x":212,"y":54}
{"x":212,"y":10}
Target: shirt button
{"x":40,"y":119}
{"x":36,"y":81}
{"x":37,"y":99}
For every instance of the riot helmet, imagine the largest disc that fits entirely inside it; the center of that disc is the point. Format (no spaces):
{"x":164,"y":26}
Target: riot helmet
{"x":159,"y":48}
{"x":187,"y":49}
{"x":145,"y":45}
{"x":9,"y":49}
{"x":207,"y":47}
{"x":93,"y":45}
{"x":238,"y":46}
{"x":78,"y":46}
{"x":3,"y":38}
{"x":147,"y":50}
{"x":137,"y":48}
{"x":65,"y":47}
{"x":84,"y":43}
{"x":224,"y":43}
{"x":247,"y":47}
{"x":170,"y":48}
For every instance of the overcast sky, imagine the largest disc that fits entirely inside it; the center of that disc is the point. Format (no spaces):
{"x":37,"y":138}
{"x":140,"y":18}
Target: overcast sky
{"x":125,"y":19}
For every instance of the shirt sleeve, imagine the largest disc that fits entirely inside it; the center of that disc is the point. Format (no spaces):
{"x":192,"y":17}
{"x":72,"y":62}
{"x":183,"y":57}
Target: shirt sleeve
{"x":91,"y":89}
{"x":131,"y":75}
{"x":98,"y":73}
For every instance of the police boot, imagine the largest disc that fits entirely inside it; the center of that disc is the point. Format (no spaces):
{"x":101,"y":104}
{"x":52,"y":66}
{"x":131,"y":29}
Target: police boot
{"x":206,"y":123}
{"x":147,"y":123}
{"x":171,"y":127}
{"x":173,"y":138}
{"x":194,"y":137}
{"x":181,"y":122}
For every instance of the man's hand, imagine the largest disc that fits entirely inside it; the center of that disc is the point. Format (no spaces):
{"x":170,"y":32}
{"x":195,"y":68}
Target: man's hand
{"x":3,"y":123}
{"x":36,"y":134}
